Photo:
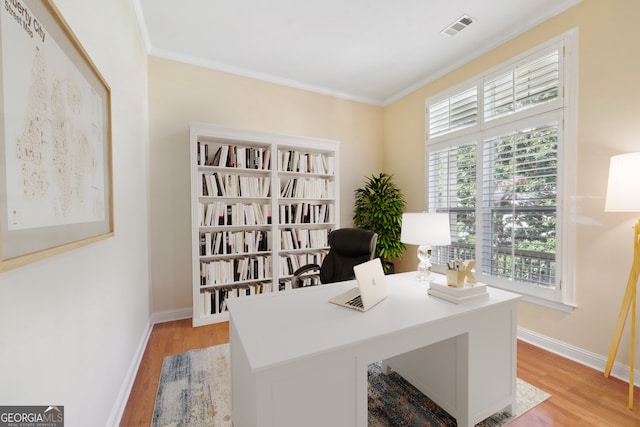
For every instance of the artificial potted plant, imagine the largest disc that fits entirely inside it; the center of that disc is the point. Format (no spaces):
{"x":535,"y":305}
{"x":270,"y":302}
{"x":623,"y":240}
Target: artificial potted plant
{"x":378,"y":207}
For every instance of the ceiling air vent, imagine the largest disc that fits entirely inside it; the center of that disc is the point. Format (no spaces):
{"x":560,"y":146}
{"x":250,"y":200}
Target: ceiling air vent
{"x":458,"y":25}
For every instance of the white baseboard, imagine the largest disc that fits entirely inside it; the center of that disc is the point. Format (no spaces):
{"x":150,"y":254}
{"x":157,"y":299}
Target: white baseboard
{"x":127,"y":384}
{"x":171,"y":315}
{"x":568,"y":351}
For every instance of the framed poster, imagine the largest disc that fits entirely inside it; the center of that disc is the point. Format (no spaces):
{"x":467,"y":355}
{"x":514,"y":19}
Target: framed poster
{"x":55,"y":138}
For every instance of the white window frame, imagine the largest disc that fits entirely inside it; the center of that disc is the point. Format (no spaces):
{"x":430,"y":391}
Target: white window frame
{"x":563,"y":109}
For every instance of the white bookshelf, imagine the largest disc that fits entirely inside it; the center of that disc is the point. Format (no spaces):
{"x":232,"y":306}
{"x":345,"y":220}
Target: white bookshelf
{"x":262,"y":204}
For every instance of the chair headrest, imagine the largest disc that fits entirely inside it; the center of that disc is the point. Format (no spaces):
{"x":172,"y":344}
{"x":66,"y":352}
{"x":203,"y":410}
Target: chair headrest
{"x":351,"y":241}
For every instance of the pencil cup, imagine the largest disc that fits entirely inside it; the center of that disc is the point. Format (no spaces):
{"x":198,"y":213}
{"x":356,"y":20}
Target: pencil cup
{"x":455,"y":278}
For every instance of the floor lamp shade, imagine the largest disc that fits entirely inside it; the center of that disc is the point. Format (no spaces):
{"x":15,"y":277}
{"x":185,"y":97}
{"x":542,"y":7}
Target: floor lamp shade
{"x":424,"y":228}
{"x":623,"y":188}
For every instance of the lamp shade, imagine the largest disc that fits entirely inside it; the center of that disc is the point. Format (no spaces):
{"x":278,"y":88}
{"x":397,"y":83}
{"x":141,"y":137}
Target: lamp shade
{"x":429,"y":229}
{"x":623,"y":188}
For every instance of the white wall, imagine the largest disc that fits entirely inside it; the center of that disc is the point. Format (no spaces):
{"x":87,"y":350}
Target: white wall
{"x":71,"y":325}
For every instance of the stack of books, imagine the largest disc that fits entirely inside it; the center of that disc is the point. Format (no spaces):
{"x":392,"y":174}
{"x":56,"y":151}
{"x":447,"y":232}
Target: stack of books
{"x":459,"y":295}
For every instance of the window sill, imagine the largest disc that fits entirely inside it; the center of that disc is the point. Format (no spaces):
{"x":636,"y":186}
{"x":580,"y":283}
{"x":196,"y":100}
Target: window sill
{"x":560,"y":306}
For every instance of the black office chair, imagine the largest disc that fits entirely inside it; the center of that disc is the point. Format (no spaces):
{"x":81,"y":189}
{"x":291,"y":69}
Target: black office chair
{"x":348,"y":247}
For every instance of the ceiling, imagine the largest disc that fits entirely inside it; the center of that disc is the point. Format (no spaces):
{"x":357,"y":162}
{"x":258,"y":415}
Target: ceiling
{"x":372,"y":51}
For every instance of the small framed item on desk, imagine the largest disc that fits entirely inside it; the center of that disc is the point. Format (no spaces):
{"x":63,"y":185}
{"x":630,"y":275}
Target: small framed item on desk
{"x":459,"y":295}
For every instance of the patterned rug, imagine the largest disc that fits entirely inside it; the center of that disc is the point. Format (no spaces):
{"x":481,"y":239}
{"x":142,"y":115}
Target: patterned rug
{"x":194,"y":391}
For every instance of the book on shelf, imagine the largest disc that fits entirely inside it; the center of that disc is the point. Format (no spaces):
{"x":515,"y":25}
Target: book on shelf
{"x":295,"y":161}
{"x":221,"y":213}
{"x":213,"y":300}
{"x":233,"y":156}
{"x":307,"y":188}
{"x":221,"y":157}
{"x":463,"y":291}
{"x":266,"y":159}
{"x":457,"y":299}
{"x":216,"y":158}
{"x":241,"y":158}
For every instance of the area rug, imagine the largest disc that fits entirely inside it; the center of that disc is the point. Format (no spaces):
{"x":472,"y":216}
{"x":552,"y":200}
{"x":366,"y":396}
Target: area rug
{"x":194,"y":391}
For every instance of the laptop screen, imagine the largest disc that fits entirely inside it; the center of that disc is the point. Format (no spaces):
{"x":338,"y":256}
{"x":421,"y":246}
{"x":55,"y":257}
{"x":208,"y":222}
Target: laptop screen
{"x":371,"y":281}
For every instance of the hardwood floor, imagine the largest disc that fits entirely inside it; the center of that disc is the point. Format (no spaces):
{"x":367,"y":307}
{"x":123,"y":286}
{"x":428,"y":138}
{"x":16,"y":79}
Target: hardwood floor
{"x":580,"y":396}
{"x":166,"y":339}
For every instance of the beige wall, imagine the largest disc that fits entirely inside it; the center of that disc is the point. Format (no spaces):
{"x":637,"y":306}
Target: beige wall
{"x":180,"y":93}
{"x":608,"y":124}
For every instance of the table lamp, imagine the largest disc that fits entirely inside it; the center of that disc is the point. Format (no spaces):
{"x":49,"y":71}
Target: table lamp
{"x":426,"y":230}
{"x":623,"y":195}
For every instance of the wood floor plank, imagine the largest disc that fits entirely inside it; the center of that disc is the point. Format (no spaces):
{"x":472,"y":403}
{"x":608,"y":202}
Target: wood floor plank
{"x":580,"y":396}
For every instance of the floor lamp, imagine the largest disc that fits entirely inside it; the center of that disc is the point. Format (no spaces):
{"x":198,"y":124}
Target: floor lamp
{"x":623,"y":195}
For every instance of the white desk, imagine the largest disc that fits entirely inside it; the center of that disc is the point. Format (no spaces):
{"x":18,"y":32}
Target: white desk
{"x":298,"y":360}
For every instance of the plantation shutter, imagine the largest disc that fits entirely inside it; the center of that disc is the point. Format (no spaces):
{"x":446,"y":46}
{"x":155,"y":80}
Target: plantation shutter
{"x":520,"y":189}
{"x":526,"y":86}
{"x":456,"y":112}
{"x":452,"y":189}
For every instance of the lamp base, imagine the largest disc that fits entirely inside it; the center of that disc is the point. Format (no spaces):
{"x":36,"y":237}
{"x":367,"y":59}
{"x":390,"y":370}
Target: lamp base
{"x":424,"y":267}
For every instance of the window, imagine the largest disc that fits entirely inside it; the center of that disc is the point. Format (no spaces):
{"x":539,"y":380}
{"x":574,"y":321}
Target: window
{"x":454,"y":113}
{"x":499,"y":150}
{"x":528,"y":85}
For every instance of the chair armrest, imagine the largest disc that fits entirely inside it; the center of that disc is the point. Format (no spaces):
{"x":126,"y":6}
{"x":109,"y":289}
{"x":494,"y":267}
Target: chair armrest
{"x":305,"y":268}
{"x":300,"y":271}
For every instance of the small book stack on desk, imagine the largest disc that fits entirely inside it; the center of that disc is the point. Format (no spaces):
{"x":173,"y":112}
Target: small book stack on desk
{"x":459,"y":295}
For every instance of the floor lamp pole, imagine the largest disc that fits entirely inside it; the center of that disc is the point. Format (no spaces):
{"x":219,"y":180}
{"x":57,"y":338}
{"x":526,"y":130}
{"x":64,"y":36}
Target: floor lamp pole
{"x":628,"y":302}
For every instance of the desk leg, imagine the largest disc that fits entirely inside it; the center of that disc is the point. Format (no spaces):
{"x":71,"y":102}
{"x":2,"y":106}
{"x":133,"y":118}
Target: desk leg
{"x":362,"y":393}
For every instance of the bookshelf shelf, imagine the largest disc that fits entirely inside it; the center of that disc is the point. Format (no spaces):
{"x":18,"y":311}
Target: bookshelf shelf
{"x":261,"y":205}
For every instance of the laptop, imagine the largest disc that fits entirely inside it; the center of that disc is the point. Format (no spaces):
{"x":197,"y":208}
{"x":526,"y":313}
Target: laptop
{"x":371,"y":289}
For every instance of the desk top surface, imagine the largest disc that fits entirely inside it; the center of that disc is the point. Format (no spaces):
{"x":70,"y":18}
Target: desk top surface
{"x":284,"y":326}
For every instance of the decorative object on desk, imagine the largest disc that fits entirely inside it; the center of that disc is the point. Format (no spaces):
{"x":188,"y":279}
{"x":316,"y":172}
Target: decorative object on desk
{"x":623,"y":195}
{"x":459,"y":295}
{"x":426,"y":230}
{"x":194,"y":390}
{"x":459,"y":272}
{"x":378,"y":207}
